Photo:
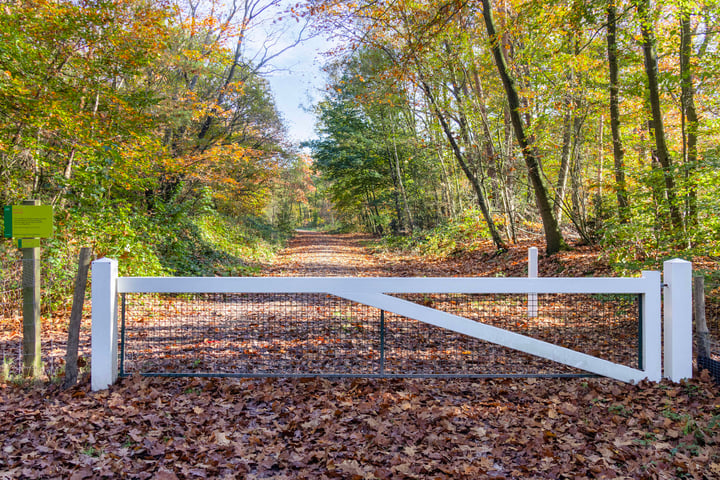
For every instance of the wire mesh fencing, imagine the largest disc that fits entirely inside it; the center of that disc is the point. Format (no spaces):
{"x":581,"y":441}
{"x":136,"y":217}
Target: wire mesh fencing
{"x":323,"y":335}
{"x":712,"y":319}
{"x":10,"y":311}
{"x":56,"y":273}
{"x":10,"y":284}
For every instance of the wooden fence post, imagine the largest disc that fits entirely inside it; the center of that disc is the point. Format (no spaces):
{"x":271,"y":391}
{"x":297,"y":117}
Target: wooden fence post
{"x":104,"y":362}
{"x":702,"y":334}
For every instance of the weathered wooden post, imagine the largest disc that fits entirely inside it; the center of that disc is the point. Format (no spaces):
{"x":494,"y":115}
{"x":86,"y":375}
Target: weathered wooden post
{"x":71,"y":356}
{"x":702,"y":334}
{"x":32,"y":357}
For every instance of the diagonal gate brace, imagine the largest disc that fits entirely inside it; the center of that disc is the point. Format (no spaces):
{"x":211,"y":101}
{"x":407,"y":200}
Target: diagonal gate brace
{"x":495,"y":335}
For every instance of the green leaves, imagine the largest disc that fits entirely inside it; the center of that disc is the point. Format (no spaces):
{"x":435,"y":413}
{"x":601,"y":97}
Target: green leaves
{"x":102,"y":110}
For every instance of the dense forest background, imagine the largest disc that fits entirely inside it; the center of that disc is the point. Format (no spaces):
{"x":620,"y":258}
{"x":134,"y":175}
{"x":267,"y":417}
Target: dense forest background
{"x":595,"y":121}
{"x":151,"y":128}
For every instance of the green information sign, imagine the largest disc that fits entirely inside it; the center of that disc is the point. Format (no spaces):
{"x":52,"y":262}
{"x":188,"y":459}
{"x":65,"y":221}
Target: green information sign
{"x":28,"y":221}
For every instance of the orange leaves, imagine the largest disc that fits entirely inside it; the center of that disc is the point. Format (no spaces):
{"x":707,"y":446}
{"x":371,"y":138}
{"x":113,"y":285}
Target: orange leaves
{"x":236,"y":174}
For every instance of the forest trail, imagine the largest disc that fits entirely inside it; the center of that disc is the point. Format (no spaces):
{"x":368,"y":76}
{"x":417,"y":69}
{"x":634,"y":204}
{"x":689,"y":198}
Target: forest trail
{"x":320,"y":254}
{"x":313,"y":254}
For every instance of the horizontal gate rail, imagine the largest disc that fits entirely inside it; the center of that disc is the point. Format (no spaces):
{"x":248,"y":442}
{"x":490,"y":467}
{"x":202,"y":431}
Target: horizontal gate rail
{"x":373,"y":291}
{"x":650,"y":281}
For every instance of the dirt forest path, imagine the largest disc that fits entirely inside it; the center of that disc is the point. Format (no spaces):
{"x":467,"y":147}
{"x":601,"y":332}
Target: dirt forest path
{"x":319,"y":254}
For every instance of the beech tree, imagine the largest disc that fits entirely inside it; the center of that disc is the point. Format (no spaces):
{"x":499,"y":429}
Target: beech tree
{"x":618,"y":150}
{"x":553,"y":238}
{"x":657,"y":125}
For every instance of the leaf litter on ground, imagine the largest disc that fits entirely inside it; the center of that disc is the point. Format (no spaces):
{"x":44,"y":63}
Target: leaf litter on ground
{"x":169,"y":428}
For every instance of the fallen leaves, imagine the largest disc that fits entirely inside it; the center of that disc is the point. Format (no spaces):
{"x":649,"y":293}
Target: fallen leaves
{"x":168,"y":429}
{"x":361,"y":428}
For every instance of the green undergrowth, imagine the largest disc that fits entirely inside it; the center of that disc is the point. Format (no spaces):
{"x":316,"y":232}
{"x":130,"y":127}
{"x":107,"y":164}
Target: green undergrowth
{"x":207,"y":244}
{"x":239,"y":247}
{"x":624,"y":247}
{"x":463,"y":234}
{"x":158,"y":244}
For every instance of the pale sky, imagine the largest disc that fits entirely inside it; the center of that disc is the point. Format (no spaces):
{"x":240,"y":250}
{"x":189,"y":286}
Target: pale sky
{"x":296,"y":79}
{"x":297,"y":89}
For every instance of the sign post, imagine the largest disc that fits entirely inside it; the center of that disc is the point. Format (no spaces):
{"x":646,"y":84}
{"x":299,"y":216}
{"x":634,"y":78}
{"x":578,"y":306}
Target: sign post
{"x":28,"y":223}
{"x":32,"y":358}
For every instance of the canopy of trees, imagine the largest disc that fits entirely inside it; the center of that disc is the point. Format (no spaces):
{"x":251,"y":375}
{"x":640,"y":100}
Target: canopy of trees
{"x":589,"y":119}
{"x":132,"y":115}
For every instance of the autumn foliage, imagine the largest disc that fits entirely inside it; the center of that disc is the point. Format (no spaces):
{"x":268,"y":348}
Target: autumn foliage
{"x":135,"y":120}
{"x":592,"y":121}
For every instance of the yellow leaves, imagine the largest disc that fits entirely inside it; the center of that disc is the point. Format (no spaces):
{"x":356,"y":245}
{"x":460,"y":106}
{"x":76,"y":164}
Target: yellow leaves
{"x":192,"y":54}
{"x":235,"y":88}
{"x":235,"y":174}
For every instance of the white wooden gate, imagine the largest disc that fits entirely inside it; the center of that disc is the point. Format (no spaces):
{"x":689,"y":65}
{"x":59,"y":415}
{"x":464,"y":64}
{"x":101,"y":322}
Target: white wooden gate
{"x":376,"y":292}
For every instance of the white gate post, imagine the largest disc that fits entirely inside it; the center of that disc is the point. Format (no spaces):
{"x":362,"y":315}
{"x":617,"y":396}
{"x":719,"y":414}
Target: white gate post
{"x":677,"y":275}
{"x":651,"y":327}
{"x":532,"y":273}
{"x":104,"y":335}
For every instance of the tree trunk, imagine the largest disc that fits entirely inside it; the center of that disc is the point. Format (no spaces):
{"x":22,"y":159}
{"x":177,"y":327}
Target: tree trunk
{"x":446,"y":184}
{"x":618,"y":151}
{"x":689,"y":113}
{"x":396,"y":196}
{"x":569,"y":121}
{"x":599,"y":180}
{"x":658,"y":128}
{"x":398,"y":173}
{"x":579,"y":197}
{"x":496,"y":165}
{"x":564,"y":165}
{"x":499,"y":243}
{"x":553,"y":238}
{"x":661,"y":223}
